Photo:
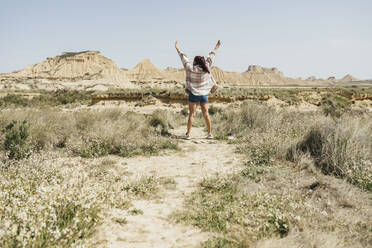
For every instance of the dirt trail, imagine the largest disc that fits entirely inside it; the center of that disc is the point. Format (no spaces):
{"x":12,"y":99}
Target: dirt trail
{"x":197,"y":159}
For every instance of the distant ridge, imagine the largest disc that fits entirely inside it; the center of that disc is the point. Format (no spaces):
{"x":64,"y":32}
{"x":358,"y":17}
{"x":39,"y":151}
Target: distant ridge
{"x":94,"y":67}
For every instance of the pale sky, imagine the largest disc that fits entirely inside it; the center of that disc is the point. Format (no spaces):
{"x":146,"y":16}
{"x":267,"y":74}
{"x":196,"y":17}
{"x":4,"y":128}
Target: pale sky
{"x":300,"y":37}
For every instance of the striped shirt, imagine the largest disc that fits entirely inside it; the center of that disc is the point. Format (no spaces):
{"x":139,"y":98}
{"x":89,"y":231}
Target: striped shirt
{"x":198,"y":81}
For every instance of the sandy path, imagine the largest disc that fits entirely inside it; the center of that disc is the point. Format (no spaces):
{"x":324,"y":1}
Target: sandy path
{"x":198,"y":158}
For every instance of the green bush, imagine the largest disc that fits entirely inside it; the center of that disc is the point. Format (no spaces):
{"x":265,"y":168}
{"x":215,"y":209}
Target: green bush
{"x":46,"y":98}
{"x":335,"y":106}
{"x":16,"y":142}
{"x":13,"y":100}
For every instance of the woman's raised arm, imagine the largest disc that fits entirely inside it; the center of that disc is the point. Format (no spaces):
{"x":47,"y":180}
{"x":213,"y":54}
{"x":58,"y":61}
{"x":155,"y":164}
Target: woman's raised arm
{"x":184,"y":58}
{"x":211,"y":55}
{"x":176,"y":46}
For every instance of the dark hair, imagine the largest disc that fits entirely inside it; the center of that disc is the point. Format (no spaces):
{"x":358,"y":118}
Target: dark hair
{"x":200,"y":61}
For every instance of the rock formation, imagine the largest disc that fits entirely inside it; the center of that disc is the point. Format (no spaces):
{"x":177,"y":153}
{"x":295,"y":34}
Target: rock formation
{"x":86,"y":65}
{"x":348,"y":78}
{"x":87,"y":70}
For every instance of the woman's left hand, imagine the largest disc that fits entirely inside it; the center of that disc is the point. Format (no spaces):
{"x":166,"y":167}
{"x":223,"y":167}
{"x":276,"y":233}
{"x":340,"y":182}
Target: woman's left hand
{"x":218,"y":44}
{"x":176,"y":46}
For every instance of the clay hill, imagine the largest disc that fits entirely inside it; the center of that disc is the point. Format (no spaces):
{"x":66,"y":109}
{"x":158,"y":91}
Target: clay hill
{"x":85,"y":65}
{"x":348,"y":78}
{"x":94,"y":71}
{"x":86,"y":70}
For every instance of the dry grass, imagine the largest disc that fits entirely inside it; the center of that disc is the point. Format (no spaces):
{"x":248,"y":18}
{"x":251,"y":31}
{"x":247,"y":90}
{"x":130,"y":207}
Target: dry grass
{"x":342,"y":148}
{"x":94,"y":133}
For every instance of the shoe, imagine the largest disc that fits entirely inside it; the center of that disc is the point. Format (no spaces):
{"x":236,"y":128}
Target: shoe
{"x":210,"y":136}
{"x":187,"y":136}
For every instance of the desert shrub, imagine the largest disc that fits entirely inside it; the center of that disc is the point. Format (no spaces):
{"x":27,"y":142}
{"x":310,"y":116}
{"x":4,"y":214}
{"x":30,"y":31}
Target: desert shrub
{"x":261,"y":155}
{"x":145,"y":186}
{"x":64,"y":96}
{"x":47,"y":98}
{"x":185,"y":111}
{"x":13,"y":100}
{"x":212,"y":110}
{"x":335,"y":106}
{"x":162,"y":119}
{"x":341,"y":148}
{"x":16,"y":142}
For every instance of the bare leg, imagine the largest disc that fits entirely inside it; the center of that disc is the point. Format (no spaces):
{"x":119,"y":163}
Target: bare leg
{"x":192,"y":109}
{"x":204,"y":108}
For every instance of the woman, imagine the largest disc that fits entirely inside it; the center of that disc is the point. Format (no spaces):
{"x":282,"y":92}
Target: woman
{"x":199,"y":82}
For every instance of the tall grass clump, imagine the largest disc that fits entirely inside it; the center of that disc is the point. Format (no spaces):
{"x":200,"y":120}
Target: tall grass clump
{"x":163,"y":121}
{"x":250,"y":116}
{"x":340,"y":147}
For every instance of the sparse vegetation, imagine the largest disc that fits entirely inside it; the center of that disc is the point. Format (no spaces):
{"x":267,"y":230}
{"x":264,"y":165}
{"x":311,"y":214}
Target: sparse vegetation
{"x":145,"y":186}
{"x":289,"y":96}
{"x":221,"y":206}
{"x":230,"y":205}
{"x":135,"y":211}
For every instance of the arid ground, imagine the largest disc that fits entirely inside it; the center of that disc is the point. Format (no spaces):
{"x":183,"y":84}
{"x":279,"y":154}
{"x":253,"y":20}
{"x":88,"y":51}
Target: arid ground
{"x":287,"y":168}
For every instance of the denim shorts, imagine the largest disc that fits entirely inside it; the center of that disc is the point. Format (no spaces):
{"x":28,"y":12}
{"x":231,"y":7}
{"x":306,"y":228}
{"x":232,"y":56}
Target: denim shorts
{"x":202,"y":99}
